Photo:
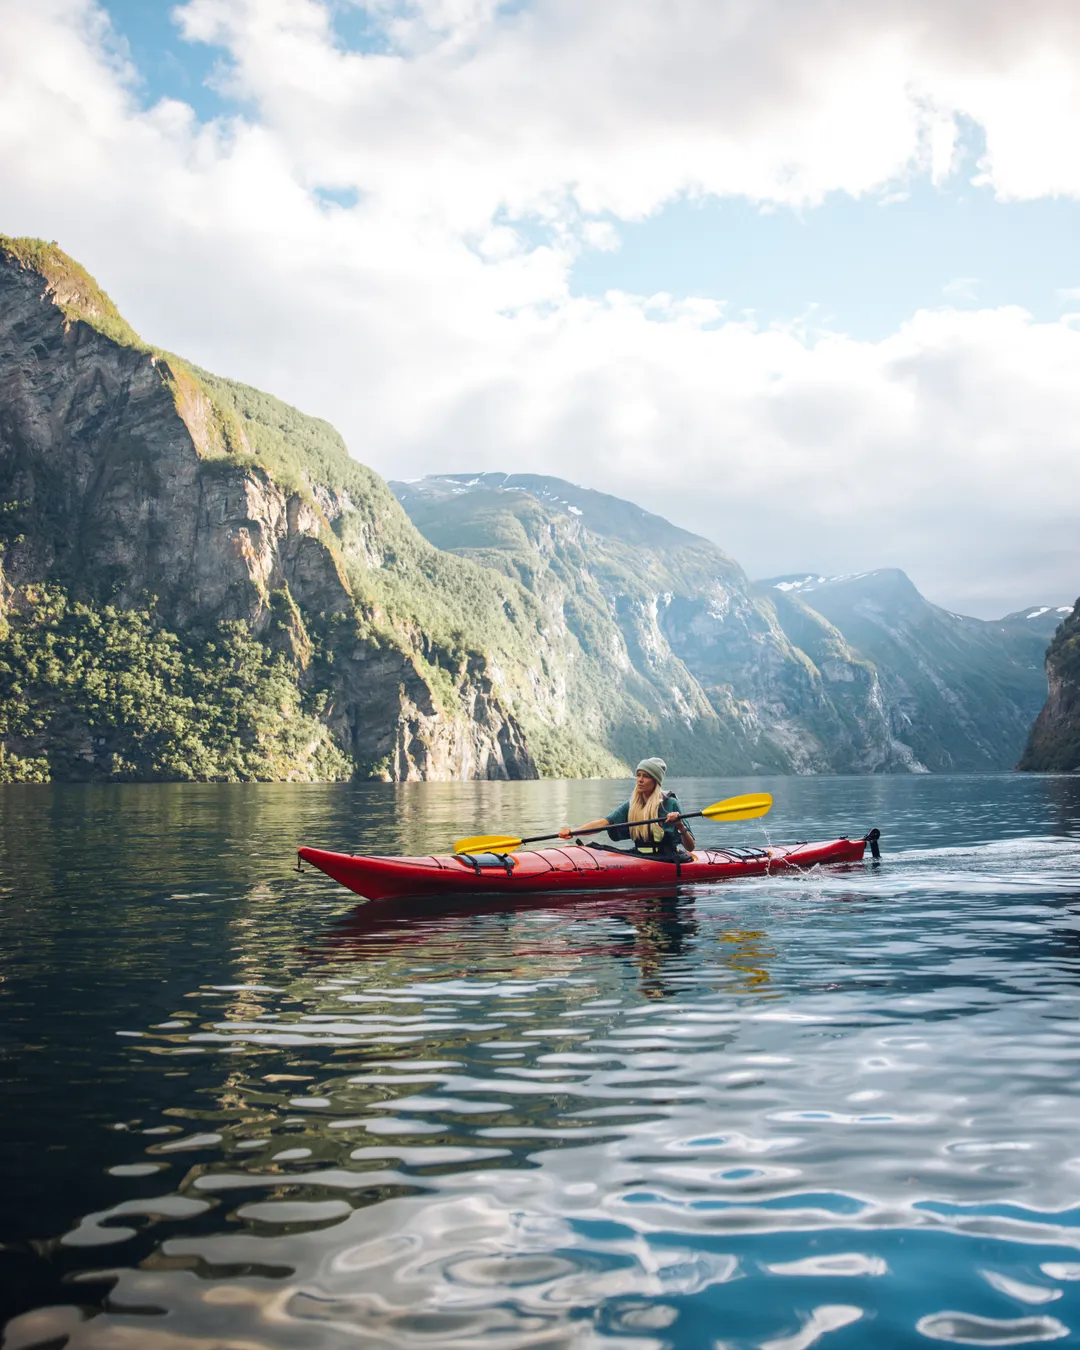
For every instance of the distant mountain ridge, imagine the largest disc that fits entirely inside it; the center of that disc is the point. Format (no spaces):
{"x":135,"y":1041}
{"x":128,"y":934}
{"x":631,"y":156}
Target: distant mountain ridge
{"x":805,"y":673}
{"x":600,"y":512}
{"x":1043,"y":619}
{"x":962,"y":692}
{"x":666,"y":639}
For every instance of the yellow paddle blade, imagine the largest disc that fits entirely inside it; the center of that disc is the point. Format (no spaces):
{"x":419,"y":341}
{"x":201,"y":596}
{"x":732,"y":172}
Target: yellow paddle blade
{"x":740,"y":808}
{"x":488,"y":843}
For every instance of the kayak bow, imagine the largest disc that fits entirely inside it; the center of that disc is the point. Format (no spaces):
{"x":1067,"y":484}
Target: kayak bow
{"x":575,"y":867}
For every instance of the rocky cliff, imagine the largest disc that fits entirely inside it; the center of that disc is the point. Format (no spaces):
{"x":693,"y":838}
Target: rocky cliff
{"x":143,"y":501}
{"x":668,"y":642}
{"x":960,"y":692}
{"x":1054,"y":743}
{"x":800,"y":674}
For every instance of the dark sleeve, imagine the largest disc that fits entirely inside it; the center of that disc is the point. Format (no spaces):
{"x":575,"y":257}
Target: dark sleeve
{"x":618,"y":818}
{"x":671,"y":832}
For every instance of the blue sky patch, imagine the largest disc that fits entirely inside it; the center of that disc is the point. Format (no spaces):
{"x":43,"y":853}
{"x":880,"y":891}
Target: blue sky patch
{"x":169,"y":66}
{"x":356,"y":30}
{"x":861,"y":266}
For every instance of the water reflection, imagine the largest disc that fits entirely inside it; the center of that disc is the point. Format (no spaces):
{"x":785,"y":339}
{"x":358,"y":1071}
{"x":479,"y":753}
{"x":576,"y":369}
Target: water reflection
{"x":1063,"y":794}
{"x":663,"y":928}
{"x":837,"y":1108}
{"x":654,"y":932}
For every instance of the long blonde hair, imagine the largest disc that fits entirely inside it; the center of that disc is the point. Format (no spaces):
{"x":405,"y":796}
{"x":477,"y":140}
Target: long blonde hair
{"x":646,"y":808}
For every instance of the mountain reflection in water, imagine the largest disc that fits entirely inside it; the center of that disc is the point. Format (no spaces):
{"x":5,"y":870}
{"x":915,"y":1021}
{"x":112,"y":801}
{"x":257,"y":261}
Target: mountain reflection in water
{"x":244,"y":1112}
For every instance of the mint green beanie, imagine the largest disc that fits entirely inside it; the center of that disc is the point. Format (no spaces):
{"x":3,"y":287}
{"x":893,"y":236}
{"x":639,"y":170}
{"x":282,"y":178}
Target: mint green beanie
{"x":655,"y":768}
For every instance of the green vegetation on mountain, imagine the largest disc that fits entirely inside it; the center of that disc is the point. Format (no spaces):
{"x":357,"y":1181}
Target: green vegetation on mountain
{"x":296,"y":449}
{"x":1054,"y":743}
{"x":666,"y":625}
{"x":447,"y":610}
{"x":145,"y":490}
{"x":73,"y":288}
{"x":91,"y":692}
{"x":622,"y":680}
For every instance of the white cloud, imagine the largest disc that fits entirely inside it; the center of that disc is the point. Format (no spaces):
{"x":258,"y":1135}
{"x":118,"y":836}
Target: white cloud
{"x":617,"y":105}
{"x":430,"y":325}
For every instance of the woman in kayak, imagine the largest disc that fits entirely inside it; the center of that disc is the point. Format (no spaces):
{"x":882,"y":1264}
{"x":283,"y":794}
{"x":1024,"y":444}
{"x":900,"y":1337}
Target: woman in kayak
{"x":669,"y":840}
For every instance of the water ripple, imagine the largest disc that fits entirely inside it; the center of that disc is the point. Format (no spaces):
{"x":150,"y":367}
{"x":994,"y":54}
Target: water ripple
{"x":836,"y":1108}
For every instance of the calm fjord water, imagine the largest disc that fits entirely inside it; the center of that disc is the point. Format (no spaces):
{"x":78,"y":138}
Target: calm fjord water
{"x":838,"y":1108}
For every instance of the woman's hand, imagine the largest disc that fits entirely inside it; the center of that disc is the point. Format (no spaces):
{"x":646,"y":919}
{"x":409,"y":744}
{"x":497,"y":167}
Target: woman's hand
{"x":565,"y":832}
{"x":674,"y":818}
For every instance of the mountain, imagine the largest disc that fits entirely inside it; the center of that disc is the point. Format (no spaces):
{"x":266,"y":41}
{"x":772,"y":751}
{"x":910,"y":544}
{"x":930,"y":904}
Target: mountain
{"x":961,"y":692}
{"x":1043,"y":620}
{"x":1054,"y":743}
{"x":801,"y":673}
{"x":197,"y":581}
{"x":668,"y":637}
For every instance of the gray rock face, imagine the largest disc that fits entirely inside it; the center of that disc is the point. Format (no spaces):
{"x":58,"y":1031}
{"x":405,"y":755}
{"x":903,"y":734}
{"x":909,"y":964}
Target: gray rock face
{"x":960,"y":692}
{"x":1054,"y":743}
{"x":128,"y":484}
{"x":801,"y":674}
{"x":688,"y":654}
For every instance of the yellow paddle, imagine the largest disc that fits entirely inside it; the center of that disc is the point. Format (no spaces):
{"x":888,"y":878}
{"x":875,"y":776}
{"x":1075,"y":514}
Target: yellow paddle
{"x":748,"y":807}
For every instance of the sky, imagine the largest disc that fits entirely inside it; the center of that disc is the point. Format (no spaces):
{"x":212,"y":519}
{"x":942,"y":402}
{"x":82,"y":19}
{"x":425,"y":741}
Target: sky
{"x":800,"y":275}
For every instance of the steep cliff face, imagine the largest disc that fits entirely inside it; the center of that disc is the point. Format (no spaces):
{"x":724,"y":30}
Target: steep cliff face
{"x":198,"y":581}
{"x":666,"y":639}
{"x":1054,"y":743}
{"x":960,"y":692}
{"x":124,"y":484}
{"x":859,"y":721}
{"x":131,"y":481}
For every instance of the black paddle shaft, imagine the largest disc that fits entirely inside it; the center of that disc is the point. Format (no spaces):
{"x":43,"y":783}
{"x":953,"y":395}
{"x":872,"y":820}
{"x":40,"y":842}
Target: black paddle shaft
{"x":599,"y":829}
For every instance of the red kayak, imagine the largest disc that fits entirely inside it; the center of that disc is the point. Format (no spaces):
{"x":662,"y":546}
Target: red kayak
{"x":575,"y":867}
